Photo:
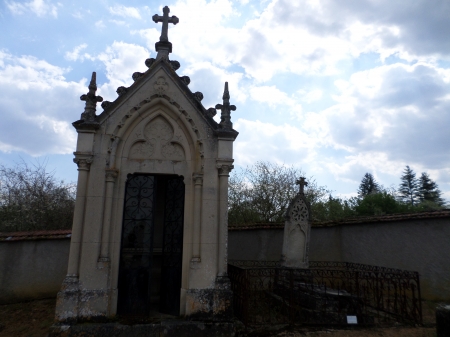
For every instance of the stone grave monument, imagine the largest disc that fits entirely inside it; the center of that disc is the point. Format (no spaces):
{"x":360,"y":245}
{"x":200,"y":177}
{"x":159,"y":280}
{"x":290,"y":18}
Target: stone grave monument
{"x":149,"y":233}
{"x":297,"y":231}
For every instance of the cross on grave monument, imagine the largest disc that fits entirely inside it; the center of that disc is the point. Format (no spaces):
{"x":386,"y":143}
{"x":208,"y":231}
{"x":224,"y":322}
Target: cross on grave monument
{"x":297,"y":230}
{"x":226,"y":108}
{"x":164,"y":47}
{"x":302,"y":183}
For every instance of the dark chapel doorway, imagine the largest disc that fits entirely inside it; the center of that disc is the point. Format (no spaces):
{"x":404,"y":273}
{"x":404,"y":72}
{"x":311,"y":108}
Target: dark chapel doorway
{"x":152,"y":245}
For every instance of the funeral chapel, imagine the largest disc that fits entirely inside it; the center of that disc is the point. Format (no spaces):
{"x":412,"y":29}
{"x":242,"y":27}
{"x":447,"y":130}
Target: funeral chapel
{"x":150,"y":226}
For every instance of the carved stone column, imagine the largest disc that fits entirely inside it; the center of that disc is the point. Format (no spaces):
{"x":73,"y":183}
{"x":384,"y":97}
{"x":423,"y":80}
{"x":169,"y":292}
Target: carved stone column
{"x":225,"y":167}
{"x":68,"y":297}
{"x":196,"y":235}
{"x":83,"y":160}
{"x":110,"y":176}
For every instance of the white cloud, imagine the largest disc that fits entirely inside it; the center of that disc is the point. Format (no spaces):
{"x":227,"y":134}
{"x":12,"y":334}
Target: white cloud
{"x":389,"y":117}
{"x":210,"y":80}
{"x":126,"y":12}
{"x":39,"y":7}
{"x":270,"y":95}
{"x":119,"y":22}
{"x":310,"y":96}
{"x":39,"y":122}
{"x":380,"y":119}
{"x":121,"y":61}
{"x":284,"y":143}
{"x":99,"y":24}
{"x":275,"y":98}
{"x":75,"y":54}
{"x":77,"y":15}
{"x":384,"y":119}
{"x":201,"y":35}
{"x":313,"y":37}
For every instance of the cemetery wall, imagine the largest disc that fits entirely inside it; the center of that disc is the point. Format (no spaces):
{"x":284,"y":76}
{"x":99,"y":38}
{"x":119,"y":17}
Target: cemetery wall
{"x":32,"y":266}
{"x":255,"y":243}
{"x":417,"y":242}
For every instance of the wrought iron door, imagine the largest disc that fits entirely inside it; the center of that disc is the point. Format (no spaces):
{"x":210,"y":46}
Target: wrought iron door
{"x":172,"y":246}
{"x":136,"y":258}
{"x":136,"y":249}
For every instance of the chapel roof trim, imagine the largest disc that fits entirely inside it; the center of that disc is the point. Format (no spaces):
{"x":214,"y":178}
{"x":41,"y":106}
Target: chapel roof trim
{"x":170,"y":67}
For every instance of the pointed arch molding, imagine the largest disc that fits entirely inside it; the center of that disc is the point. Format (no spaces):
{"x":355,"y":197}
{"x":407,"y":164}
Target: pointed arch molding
{"x":171,"y":147}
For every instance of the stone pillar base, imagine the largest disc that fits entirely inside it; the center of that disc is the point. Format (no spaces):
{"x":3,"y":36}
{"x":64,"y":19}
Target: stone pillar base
{"x":93,"y":306}
{"x":67,"y":301}
{"x":76,"y":305}
{"x":211,"y":304}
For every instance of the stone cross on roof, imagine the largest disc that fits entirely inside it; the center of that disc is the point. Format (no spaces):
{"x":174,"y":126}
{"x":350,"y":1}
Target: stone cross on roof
{"x":226,"y":108}
{"x":91,"y":100}
{"x":164,"y":45}
{"x":302,"y":182}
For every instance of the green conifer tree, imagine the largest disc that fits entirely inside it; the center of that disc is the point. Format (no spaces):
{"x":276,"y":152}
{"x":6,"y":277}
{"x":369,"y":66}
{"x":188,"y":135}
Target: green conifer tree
{"x":408,"y":189}
{"x":368,"y":186}
{"x":428,"y":190}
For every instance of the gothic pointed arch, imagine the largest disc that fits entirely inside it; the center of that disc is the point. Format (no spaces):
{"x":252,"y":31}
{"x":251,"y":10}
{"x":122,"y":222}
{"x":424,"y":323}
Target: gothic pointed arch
{"x":158,"y":128}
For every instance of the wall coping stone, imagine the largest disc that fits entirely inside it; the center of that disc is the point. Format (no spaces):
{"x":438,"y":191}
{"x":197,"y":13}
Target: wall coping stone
{"x":66,"y":233}
{"x":36,"y":235}
{"x":445,"y":213}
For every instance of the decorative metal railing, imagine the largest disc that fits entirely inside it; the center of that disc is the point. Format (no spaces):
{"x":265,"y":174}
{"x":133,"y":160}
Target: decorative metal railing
{"x":328,"y":293}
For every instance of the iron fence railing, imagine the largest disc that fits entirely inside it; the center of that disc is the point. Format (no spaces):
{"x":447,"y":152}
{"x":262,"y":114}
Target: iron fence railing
{"x":334,"y":293}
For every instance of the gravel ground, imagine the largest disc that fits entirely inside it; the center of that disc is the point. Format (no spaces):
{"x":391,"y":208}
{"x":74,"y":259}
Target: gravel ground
{"x":33,"y":319}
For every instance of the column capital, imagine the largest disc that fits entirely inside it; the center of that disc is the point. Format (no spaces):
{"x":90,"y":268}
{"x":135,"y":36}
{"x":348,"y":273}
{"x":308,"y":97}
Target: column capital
{"x":198,"y":178}
{"x":83,"y":160}
{"x":111,"y":175}
{"x":224,"y":166}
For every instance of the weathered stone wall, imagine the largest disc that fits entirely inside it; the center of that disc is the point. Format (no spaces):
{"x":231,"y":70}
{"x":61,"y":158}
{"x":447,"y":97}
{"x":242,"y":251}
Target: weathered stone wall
{"x":255,"y":244}
{"x":32,"y":269}
{"x":35,"y":268}
{"x":421,"y":245}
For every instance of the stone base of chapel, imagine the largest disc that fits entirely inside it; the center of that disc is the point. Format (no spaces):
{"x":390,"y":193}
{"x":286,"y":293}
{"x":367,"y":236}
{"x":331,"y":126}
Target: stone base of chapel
{"x":74,"y":304}
{"x":170,"y":328}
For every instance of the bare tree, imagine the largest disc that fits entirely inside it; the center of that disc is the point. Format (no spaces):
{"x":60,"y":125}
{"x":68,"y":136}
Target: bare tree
{"x":262,"y":192}
{"x":31,"y":199}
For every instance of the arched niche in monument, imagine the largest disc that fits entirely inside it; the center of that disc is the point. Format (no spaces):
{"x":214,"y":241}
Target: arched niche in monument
{"x":155,"y":156}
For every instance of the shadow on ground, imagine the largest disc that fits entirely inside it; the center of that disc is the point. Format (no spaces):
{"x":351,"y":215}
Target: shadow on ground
{"x":33,"y":319}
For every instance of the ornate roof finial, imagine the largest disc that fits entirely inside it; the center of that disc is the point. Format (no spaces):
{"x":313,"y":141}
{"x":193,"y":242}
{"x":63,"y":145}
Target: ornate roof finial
{"x":91,"y":100}
{"x":302,"y":182}
{"x":226,"y":108}
{"x":164,"y":47}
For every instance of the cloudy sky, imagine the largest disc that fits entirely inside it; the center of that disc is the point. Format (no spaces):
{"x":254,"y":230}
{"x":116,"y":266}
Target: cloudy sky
{"x":337,"y":88}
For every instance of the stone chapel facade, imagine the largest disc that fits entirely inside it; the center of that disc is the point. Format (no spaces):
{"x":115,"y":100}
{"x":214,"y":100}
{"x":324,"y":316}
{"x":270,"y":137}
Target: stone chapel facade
{"x":150,"y":226}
